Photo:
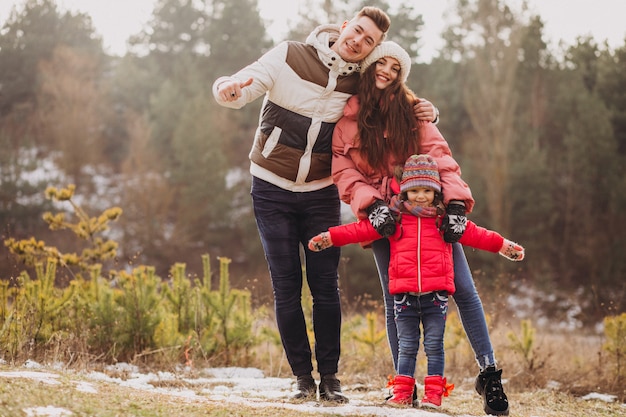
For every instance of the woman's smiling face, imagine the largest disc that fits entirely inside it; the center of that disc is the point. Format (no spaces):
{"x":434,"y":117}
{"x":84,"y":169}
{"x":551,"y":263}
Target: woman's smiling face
{"x":387,"y":71}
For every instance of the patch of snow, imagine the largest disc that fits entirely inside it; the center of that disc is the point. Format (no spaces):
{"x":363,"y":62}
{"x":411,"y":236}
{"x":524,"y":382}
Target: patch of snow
{"x":600,"y":397}
{"x":566,"y":310}
{"x":86,"y":387}
{"x":45,"y":377}
{"x":47,"y":411}
{"x":249,"y":387}
{"x":32,"y":365}
{"x":123,"y":367}
{"x":235,"y":372}
{"x":99,"y":376}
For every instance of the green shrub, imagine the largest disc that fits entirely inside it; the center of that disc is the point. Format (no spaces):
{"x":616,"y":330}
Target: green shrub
{"x":615,"y":341}
{"x":125,"y":317}
{"x":524,"y":342}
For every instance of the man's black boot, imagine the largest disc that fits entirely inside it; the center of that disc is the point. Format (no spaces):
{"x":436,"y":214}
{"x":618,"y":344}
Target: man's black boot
{"x":330,"y":390}
{"x":306,"y":388}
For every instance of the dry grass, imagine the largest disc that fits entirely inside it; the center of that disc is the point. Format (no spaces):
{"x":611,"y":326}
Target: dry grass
{"x":113,"y":399}
{"x":571,"y":362}
{"x":549,"y":381}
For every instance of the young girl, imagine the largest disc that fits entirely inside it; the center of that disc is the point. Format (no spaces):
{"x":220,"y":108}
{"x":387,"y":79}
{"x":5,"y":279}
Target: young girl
{"x":421,"y":272}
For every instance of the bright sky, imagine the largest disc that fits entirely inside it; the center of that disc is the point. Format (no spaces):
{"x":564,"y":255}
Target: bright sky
{"x":116,"y":20}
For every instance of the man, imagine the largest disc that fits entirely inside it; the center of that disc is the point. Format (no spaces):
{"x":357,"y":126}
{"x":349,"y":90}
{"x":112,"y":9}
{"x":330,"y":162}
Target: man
{"x":306,"y":86}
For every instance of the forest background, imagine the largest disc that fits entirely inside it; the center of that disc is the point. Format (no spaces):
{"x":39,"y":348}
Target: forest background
{"x":540,"y":135}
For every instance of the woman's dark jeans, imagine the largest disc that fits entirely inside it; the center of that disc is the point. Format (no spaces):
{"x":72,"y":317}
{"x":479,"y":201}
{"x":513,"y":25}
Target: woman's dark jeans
{"x":286,"y":220}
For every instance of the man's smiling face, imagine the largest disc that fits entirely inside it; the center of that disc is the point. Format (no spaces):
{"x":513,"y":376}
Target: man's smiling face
{"x":357,"y":39}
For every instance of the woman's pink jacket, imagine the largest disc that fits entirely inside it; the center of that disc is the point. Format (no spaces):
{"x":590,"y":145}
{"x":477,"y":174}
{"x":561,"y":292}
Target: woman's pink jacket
{"x":359,"y":185}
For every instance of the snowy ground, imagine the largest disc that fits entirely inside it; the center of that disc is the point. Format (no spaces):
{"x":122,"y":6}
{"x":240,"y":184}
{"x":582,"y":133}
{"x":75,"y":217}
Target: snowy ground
{"x":247,"y":386}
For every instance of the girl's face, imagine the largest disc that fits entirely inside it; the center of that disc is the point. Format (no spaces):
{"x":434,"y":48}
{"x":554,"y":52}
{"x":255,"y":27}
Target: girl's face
{"x":421,"y":196}
{"x":387,"y":71}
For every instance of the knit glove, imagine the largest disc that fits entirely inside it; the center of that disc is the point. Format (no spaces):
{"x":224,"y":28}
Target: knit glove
{"x":381,"y":219}
{"x":454,"y":222}
{"x":320,"y":242}
{"x":512,"y":251}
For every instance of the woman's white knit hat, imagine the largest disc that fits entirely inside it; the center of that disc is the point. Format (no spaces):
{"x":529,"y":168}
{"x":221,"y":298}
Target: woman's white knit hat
{"x":392,"y":49}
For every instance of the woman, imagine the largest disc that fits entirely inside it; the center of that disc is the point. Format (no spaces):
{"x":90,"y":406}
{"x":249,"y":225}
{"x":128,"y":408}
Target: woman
{"x":377,"y":132}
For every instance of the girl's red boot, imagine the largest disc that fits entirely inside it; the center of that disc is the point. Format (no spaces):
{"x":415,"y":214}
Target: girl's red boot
{"x":435,"y":387}
{"x":402,"y":391}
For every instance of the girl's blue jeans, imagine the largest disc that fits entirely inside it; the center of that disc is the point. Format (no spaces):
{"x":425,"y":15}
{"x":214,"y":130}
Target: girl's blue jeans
{"x":466,"y":298}
{"x":430,"y":311}
{"x":286,"y":221}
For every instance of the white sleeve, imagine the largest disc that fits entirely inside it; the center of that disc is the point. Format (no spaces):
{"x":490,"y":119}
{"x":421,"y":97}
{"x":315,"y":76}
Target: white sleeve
{"x":263,"y":73}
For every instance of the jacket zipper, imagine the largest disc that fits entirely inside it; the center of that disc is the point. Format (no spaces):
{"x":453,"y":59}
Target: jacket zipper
{"x":419,"y":256}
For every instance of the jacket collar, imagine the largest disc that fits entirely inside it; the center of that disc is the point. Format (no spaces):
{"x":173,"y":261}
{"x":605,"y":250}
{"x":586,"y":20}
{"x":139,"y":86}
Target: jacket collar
{"x":321,"y":39}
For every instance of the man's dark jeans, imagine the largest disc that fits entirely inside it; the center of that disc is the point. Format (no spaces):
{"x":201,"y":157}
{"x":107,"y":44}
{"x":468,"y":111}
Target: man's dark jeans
{"x":286,"y":220}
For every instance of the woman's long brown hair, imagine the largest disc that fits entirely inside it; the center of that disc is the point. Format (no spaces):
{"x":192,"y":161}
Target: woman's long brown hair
{"x":387,"y":126}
